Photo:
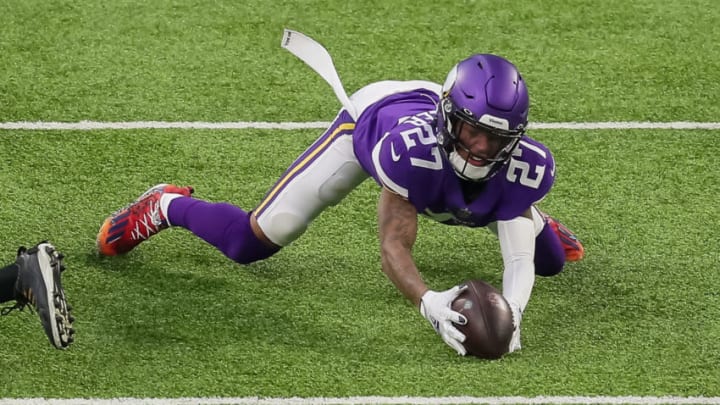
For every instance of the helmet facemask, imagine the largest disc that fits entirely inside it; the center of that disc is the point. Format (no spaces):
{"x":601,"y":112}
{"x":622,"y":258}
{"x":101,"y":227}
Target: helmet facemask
{"x":486,"y":92}
{"x":453,"y":120}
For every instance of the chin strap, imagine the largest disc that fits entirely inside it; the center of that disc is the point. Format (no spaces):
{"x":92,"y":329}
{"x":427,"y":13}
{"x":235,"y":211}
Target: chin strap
{"x":468,"y":171}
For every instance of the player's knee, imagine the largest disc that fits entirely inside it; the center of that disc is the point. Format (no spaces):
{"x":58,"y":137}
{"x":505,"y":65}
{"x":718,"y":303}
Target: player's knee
{"x":244,"y":245}
{"x":340,"y":184}
{"x":283,"y":228}
{"x":549,"y":265}
{"x":549,"y":253}
{"x":247,"y":248}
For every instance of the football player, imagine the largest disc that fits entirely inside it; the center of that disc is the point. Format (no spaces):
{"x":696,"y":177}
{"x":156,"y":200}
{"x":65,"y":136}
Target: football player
{"x":34,"y":279}
{"x":456,"y":153}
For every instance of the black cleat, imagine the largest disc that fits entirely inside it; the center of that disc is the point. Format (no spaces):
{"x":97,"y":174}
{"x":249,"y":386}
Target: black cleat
{"x":38,"y":284}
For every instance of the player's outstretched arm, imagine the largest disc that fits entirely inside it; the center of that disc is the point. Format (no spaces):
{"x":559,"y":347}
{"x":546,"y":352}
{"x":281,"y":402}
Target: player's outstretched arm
{"x":397,"y":220}
{"x":517,"y":244}
{"x":397,"y":223}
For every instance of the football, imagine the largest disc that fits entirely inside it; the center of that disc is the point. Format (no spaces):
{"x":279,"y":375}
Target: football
{"x":489,"y":327}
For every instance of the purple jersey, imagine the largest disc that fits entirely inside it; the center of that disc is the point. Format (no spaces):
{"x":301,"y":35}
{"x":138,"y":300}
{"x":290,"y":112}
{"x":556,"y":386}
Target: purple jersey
{"x":395,"y":142}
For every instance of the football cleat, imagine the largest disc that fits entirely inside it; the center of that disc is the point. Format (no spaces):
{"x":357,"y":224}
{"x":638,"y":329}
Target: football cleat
{"x":574,"y":250}
{"x":38,"y":285}
{"x":136,"y":222}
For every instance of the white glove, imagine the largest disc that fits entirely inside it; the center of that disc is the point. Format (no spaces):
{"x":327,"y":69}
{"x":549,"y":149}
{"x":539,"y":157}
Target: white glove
{"x":515,"y":340}
{"x":435,"y":307}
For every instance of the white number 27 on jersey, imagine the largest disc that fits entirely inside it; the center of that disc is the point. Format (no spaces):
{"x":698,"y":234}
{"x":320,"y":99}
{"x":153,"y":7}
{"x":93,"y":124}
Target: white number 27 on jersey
{"x":423,"y":133}
{"x":521,"y":171}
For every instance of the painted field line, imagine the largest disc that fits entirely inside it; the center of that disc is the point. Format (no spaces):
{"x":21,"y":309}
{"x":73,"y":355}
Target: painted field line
{"x":98,"y":125}
{"x":374,"y":400}
{"x":95,"y":125}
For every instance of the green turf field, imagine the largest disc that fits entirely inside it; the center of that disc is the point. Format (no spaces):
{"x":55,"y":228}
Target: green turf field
{"x":175,"y":318}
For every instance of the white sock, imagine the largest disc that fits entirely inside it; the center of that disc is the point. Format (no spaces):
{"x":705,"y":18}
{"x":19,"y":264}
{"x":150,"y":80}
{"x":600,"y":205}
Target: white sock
{"x":165,"y":201}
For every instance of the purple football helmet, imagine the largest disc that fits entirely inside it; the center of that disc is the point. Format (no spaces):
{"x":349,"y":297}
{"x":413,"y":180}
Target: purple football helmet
{"x":487,"y":92}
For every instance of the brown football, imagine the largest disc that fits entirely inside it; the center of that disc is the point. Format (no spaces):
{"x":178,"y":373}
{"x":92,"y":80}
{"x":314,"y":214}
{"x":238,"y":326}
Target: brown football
{"x":489,"y":327}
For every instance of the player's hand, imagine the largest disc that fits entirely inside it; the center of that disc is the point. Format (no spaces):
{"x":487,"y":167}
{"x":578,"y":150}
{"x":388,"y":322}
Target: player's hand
{"x":515,"y":340}
{"x":435,"y":307}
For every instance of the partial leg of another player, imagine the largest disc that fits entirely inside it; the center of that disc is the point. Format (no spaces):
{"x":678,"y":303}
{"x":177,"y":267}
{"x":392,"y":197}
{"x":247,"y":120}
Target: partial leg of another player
{"x":34,"y":279}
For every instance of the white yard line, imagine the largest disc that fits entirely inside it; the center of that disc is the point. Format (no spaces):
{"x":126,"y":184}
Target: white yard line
{"x":95,"y":125}
{"x":374,"y":400}
{"x":98,"y":125}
